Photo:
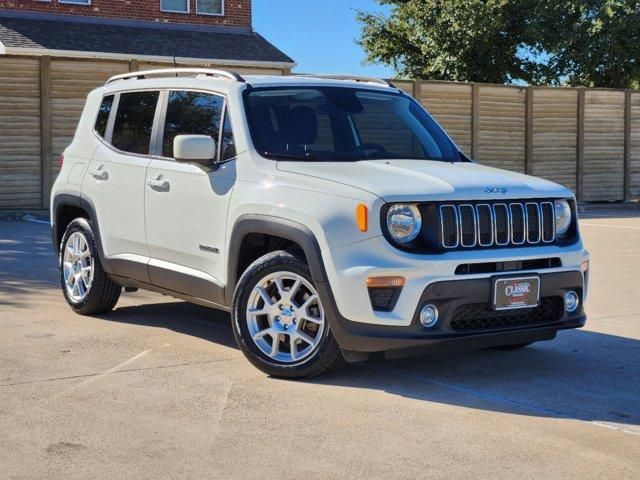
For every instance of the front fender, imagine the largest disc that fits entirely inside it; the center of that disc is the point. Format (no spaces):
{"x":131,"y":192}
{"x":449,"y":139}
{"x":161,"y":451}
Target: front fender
{"x":269,"y":225}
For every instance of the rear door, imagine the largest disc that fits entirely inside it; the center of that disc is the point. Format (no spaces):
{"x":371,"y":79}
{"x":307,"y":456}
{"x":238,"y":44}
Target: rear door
{"x":186,"y":204}
{"x":115,"y":180}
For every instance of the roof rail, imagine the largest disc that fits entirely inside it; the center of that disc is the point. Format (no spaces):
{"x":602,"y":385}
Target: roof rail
{"x":355,"y":78}
{"x":170,"y":72}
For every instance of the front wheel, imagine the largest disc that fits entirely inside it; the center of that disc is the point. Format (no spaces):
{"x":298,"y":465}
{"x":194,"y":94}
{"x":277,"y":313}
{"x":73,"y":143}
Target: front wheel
{"x":278,"y":319}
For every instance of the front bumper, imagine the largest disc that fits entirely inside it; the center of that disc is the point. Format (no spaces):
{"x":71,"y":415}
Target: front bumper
{"x":451,"y":298}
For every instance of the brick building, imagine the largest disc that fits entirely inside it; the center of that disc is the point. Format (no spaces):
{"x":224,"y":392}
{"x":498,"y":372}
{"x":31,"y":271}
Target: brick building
{"x":53,"y":52}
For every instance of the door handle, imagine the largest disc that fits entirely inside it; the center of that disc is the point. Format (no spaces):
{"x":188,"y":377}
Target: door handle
{"x":158,"y":184}
{"x":99,"y":174}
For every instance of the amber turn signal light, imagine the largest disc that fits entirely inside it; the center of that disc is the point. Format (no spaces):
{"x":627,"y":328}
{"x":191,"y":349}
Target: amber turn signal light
{"x":362,"y":217}
{"x":385,"y":282}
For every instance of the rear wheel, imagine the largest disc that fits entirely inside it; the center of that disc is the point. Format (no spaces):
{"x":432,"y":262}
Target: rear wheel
{"x":278,"y":319}
{"x":85,"y":285}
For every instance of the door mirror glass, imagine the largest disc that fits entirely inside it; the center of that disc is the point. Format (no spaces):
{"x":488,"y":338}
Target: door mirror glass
{"x":199,"y":149}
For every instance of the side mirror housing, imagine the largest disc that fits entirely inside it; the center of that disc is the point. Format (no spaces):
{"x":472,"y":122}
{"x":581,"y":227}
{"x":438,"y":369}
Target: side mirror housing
{"x":198,"y":149}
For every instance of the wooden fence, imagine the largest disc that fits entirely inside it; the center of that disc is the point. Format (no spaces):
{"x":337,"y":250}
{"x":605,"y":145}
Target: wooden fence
{"x":586,"y":139}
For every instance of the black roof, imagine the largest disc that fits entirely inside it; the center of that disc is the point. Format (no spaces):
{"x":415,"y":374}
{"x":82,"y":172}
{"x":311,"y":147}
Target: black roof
{"x":87,"y":34}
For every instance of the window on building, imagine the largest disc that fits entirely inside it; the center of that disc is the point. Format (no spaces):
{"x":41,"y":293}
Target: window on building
{"x":178,"y":6}
{"x":134,"y":122}
{"x":103,"y":115}
{"x":210,"y":7}
{"x":79,"y":2}
{"x":191,"y":113}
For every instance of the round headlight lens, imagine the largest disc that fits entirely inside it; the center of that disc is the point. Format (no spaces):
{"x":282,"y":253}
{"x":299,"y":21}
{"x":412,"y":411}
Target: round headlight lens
{"x":404,"y":222}
{"x":563,"y":216}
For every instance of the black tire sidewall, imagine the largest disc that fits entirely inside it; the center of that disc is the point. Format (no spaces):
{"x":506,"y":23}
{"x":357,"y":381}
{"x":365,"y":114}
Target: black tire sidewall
{"x":271,"y":263}
{"x":83,"y":226}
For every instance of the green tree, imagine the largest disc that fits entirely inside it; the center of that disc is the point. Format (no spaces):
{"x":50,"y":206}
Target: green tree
{"x":576,"y":42}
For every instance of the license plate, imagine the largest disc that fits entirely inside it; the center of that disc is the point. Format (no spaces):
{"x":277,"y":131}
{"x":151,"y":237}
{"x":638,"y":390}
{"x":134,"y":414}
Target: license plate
{"x":512,"y":293}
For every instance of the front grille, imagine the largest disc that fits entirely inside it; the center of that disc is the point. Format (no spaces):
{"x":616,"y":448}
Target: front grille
{"x":480,"y":316}
{"x":498,"y":224}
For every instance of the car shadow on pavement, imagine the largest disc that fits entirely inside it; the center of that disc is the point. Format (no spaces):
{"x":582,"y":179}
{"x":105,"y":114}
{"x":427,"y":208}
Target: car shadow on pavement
{"x":581,"y":375}
{"x":180,"y":317}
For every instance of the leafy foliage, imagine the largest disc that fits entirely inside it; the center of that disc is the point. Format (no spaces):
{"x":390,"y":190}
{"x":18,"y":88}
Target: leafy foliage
{"x":575,"y":42}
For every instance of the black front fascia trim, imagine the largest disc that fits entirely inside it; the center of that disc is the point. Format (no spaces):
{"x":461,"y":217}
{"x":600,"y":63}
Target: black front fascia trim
{"x":447,"y":296}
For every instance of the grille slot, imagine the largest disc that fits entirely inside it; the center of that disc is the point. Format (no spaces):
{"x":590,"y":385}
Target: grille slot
{"x":497,"y":224}
{"x":485,"y":224}
{"x":467,"y":225}
{"x":449,"y":226}
{"x":480,"y":316}
{"x":548,"y":217}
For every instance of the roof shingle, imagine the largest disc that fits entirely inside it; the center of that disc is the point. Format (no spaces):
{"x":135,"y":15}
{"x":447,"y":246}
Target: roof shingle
{"x":137,"y":39}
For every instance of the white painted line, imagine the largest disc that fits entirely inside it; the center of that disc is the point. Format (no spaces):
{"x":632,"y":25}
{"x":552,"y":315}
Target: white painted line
{"x":29,"y":218}
{"x":111,"y":370}
{"x":612,"y":215}
{"x":608,"y":226}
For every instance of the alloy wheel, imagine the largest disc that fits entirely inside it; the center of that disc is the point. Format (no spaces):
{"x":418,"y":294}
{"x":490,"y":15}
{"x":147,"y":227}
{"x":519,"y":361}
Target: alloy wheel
{"x":285,"y":317}
{"x":77,"y":267}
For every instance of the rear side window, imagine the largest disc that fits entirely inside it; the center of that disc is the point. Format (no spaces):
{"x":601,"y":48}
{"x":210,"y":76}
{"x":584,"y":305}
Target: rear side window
{"x":103,"y":115}
{"x":134,"y":122}
{"x":191,"y":113}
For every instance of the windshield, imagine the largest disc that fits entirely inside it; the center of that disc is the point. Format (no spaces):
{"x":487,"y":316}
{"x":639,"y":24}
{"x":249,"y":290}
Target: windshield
{"x":343,"y":124}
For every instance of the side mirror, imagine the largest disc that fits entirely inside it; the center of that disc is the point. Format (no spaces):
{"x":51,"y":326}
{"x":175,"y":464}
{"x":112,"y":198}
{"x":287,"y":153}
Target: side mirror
{"x":199,"y":149}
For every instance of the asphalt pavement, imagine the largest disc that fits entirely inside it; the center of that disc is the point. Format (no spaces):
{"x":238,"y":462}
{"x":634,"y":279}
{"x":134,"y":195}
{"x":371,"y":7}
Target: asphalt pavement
{"x":157,"y":389}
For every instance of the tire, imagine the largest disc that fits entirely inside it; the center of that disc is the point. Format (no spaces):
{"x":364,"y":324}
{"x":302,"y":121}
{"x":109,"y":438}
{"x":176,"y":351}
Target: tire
{"x":262,"y":315}
{"x":515,"y":346}
{"x":85,"y":285}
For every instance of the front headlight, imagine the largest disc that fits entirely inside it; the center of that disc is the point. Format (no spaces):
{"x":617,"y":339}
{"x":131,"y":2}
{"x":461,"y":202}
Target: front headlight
{"x":563,"y":216}
{"x":404,"y":222}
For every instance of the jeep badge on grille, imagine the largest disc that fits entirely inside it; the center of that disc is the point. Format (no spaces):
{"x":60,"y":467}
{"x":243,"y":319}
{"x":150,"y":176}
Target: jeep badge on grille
{"x":500,"y":190}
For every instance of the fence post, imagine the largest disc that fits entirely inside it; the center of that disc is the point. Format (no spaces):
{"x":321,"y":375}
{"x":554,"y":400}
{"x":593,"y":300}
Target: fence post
{"x":528,"y":158}
{"x":475,"y":121}
{"x":627,"y":145}
{"x":580,"y":147}
{"x":417,"y":91}
{"x":46,"y":168}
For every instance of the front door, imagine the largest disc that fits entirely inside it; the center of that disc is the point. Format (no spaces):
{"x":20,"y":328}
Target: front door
{"x":186,"y":204}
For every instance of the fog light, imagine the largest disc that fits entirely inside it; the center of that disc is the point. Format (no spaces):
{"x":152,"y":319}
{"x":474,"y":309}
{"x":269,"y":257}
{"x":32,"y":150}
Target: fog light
{"x":429,"y":316}
{"x":571,"y":301}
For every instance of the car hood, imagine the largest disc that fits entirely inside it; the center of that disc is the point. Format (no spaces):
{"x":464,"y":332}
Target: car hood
{"x":421,"y":180}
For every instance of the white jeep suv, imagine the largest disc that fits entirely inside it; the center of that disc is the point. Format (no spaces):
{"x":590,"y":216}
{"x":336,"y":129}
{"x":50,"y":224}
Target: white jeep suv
{"x":332,"y":217}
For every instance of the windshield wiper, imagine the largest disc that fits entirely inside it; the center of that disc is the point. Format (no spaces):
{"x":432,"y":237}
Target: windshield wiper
{"x":309,"y":157}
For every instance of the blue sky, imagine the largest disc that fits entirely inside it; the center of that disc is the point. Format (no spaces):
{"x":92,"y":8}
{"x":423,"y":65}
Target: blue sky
{"x":318,"y":34}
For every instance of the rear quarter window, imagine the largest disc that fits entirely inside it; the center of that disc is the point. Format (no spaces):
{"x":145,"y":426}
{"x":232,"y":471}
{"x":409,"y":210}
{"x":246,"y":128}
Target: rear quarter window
{"x":103,"y":115}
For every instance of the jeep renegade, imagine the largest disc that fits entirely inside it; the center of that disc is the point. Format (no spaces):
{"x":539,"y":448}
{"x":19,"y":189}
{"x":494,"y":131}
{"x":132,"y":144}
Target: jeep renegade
{"x":332,"y":217}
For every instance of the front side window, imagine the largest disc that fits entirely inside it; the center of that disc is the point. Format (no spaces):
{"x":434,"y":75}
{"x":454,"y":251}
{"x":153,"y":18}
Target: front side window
{"x":343,"y":124}
{"x":103,"y":115}
{"x":191,"y":113}
{"x":209,"y":7}
{"x":179,"y":6}
{"x":134,"y":122}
